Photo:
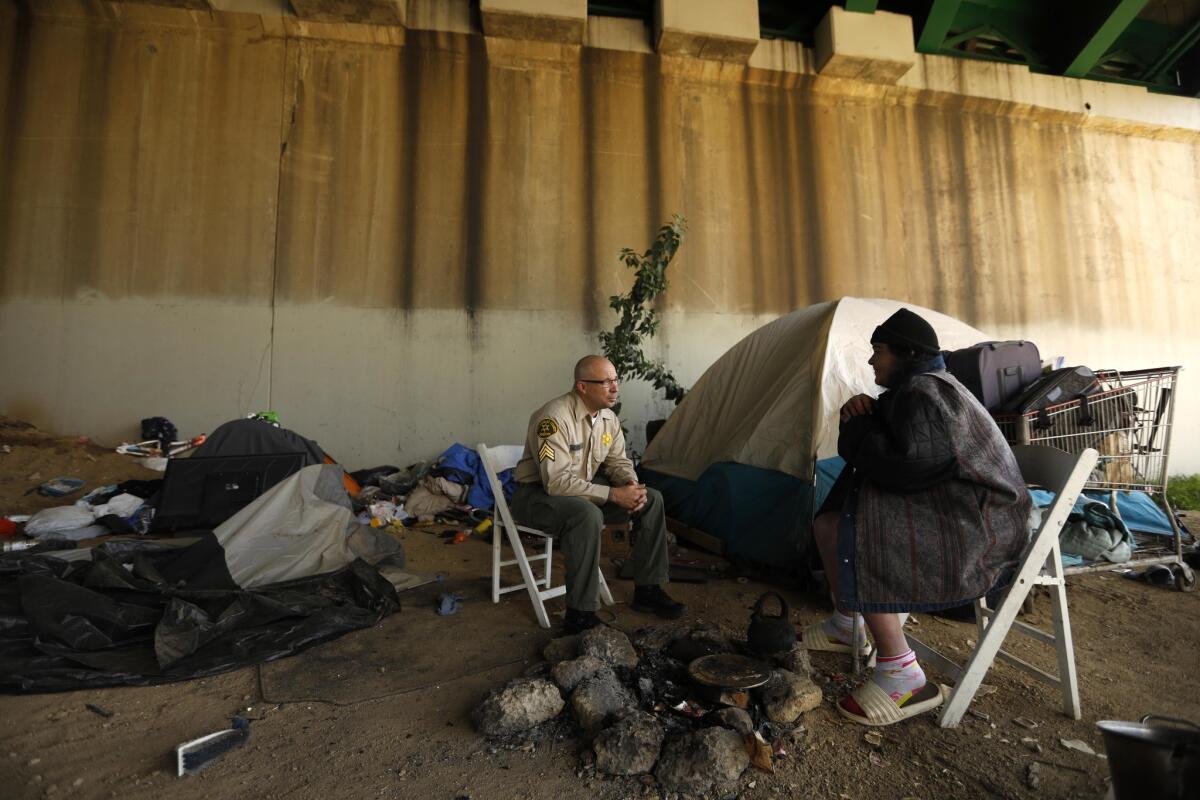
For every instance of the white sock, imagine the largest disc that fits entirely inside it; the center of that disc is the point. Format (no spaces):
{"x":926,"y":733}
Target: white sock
{"x":899,"y":676}
{"x":840,"y":627}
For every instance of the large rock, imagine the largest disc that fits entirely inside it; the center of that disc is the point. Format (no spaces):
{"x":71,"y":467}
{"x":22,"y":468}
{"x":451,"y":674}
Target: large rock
{"x":517,"y":707}
{"x":599,"y":697}
{"x":787,"y":695}
{"x":630,"y":745}
{"x":609,"y":645}
{"x":698,"y":762}
{"x":795,"y":660}
{"x":569,"y":674}
{"x":660,"y":637}
{"x":736,"y":719}
{"x":562,"y":648}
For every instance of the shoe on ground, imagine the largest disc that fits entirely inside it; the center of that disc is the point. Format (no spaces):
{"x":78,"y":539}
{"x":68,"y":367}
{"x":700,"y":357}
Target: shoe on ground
{"x":653,"y":600}
{"x":579,"y":621}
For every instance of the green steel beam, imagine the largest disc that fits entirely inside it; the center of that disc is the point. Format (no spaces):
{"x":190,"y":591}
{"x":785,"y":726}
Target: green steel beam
{"x":862,"y":6}
{"x":1174,"y":53}
{"x":1113,"y":25}
{"x":937,"y":25}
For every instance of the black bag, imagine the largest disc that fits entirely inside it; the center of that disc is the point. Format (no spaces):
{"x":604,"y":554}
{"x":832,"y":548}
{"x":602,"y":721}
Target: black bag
{"x":995,"y":371}
{"x":1060,"y":386}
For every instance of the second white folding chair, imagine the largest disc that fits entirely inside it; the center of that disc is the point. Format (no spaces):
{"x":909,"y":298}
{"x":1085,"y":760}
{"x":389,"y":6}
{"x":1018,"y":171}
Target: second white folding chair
{"x":1064,"y":474}
{"x":506,"y":530}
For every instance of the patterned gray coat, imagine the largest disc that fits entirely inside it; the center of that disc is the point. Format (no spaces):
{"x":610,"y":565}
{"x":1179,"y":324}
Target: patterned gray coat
{"x":938,"y":510}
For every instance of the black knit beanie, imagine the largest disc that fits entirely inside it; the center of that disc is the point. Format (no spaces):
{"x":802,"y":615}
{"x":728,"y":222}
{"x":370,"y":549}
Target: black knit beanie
{"x":906,"y":329}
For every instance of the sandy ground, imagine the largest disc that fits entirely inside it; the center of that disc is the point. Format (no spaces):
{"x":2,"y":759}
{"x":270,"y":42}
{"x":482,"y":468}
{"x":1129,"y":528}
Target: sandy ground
{"x":384,"y":712}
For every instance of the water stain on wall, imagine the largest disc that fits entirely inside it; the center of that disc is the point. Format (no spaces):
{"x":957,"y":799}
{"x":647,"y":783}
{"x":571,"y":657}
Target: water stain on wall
{"x":458,"y":172}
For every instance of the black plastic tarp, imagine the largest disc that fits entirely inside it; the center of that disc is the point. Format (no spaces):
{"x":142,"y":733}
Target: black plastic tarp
{"x":139,"y":613}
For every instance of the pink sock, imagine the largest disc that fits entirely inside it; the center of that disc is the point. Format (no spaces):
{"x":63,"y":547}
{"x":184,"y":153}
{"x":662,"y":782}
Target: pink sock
{"x":899,"y":676}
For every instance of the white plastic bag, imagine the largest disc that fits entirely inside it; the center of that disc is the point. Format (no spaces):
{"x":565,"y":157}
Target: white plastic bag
{"x":56,"y":521}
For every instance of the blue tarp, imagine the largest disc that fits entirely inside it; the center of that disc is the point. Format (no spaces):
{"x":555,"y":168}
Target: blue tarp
{"x":461,"y":464}
{"x":1137,"y":509}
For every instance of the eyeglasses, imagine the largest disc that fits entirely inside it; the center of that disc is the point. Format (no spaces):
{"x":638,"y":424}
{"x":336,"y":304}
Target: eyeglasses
{"x":607,"y":383}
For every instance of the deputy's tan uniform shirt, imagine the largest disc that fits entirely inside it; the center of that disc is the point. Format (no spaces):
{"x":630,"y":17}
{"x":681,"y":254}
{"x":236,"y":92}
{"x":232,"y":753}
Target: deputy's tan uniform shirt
{"x":564,"y":447}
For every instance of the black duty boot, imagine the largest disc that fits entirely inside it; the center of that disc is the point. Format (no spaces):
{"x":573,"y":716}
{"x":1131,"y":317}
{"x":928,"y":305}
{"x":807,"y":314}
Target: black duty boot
{"x":579,"y":621}
{"x":653,"y":600}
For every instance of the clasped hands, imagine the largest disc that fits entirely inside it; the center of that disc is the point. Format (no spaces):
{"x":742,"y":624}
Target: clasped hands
{"x":631,"y":496}
{"x":858,"y":406}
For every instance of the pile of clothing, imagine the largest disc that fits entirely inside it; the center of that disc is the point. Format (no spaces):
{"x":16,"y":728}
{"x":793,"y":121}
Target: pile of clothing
{"x":451,"y":486}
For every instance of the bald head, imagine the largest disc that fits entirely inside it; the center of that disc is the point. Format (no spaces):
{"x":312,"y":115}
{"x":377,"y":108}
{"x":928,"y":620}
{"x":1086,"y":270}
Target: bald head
{"x":596,"y":382}
{"x":591,"y":368}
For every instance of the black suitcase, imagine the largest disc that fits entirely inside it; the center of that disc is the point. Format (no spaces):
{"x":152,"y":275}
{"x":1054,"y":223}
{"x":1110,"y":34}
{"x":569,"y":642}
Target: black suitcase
{"x":995,"y":371}
{"x":1060,"y":386}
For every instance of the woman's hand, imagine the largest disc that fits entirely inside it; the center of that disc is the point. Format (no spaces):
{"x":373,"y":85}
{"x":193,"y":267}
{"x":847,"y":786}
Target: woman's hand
{"x":858,"y":406}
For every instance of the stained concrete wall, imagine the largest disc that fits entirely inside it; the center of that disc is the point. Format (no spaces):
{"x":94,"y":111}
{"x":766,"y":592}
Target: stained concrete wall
{"x":406,"y":240}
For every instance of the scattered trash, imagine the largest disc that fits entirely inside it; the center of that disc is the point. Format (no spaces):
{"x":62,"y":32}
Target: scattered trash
{"x":6,"y":449}
{"x":876,"y":759}
{"x":1025,"y":722}
{"x":193,"y":756}
{"x":1032,"y":775}
{"x":873,"y":738}
{"x":384,"y":512}
{"x":690,"y":708}
{"x":98,"y":710}
{"x":1077,"y":745}
{"x":1155,"y":575}
{"x":979,"y":715}
{"x":152,"y":448}
{"x":1032,"y":744}
{"x":984,"y":690}
{"x":12,"y":547}
{"x":759,"y":752}
{"x":59,"y":487}
{"x":7,"y":527}
{"x":448,"y":604}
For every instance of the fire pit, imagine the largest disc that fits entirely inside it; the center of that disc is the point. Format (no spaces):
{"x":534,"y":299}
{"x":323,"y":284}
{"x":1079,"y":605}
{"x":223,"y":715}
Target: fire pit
{"x":681,"y":701}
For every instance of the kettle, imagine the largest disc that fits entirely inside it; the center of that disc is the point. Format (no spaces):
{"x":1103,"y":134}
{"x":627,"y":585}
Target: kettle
{"x":770,"y":634}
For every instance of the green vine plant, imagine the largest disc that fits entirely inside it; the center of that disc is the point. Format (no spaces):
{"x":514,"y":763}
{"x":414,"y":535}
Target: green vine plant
{"x":623,"y":344}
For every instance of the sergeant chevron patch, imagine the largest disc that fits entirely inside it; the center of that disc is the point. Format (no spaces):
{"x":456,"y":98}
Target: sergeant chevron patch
{"x":545,"y":452}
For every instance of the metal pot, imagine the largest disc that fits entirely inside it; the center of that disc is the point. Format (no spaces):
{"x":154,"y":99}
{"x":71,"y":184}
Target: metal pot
{"x":1153,"y":761}
{"x":770,"y":634}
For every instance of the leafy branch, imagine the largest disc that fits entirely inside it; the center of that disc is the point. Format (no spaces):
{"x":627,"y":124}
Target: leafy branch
{"x":623,"y":345}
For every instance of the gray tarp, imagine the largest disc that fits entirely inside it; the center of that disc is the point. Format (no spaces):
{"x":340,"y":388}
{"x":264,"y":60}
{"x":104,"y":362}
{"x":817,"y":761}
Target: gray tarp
{"x":303,"y":526}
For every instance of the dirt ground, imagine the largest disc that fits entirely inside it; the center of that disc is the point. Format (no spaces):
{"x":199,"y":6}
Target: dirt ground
{"x":384,"y":712}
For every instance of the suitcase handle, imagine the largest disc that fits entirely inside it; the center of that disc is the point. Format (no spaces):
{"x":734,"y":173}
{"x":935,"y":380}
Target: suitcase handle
{"x":1085,"y":418}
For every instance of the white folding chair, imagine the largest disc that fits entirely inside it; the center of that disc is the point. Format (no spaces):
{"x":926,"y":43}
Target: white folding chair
{"x":1064,"y":474}
{"x":540,"y":589}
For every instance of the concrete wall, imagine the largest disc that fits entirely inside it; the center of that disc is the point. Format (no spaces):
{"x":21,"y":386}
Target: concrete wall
{"x":406,"y":239}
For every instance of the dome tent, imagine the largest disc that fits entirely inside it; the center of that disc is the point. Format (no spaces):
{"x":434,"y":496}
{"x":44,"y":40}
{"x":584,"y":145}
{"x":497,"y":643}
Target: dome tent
{"x":738,"y":459}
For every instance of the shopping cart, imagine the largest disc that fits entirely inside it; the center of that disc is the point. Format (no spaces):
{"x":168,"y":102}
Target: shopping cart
{"x":1129,"y":422}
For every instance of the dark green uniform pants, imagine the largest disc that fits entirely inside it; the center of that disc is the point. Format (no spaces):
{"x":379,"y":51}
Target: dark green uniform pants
{"x":576,"y":522}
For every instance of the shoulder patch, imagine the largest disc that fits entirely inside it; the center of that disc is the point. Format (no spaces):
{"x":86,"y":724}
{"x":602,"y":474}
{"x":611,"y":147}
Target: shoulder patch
{"x":547,"y":428}
{"x":545,"y":452}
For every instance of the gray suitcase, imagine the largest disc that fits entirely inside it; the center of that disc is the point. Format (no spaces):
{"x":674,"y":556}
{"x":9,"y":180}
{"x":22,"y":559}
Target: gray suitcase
{"x":995,"y":372}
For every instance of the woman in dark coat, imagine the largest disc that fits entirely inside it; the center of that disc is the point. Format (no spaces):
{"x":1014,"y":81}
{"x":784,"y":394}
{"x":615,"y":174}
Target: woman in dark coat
{"x":930,"y":513}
